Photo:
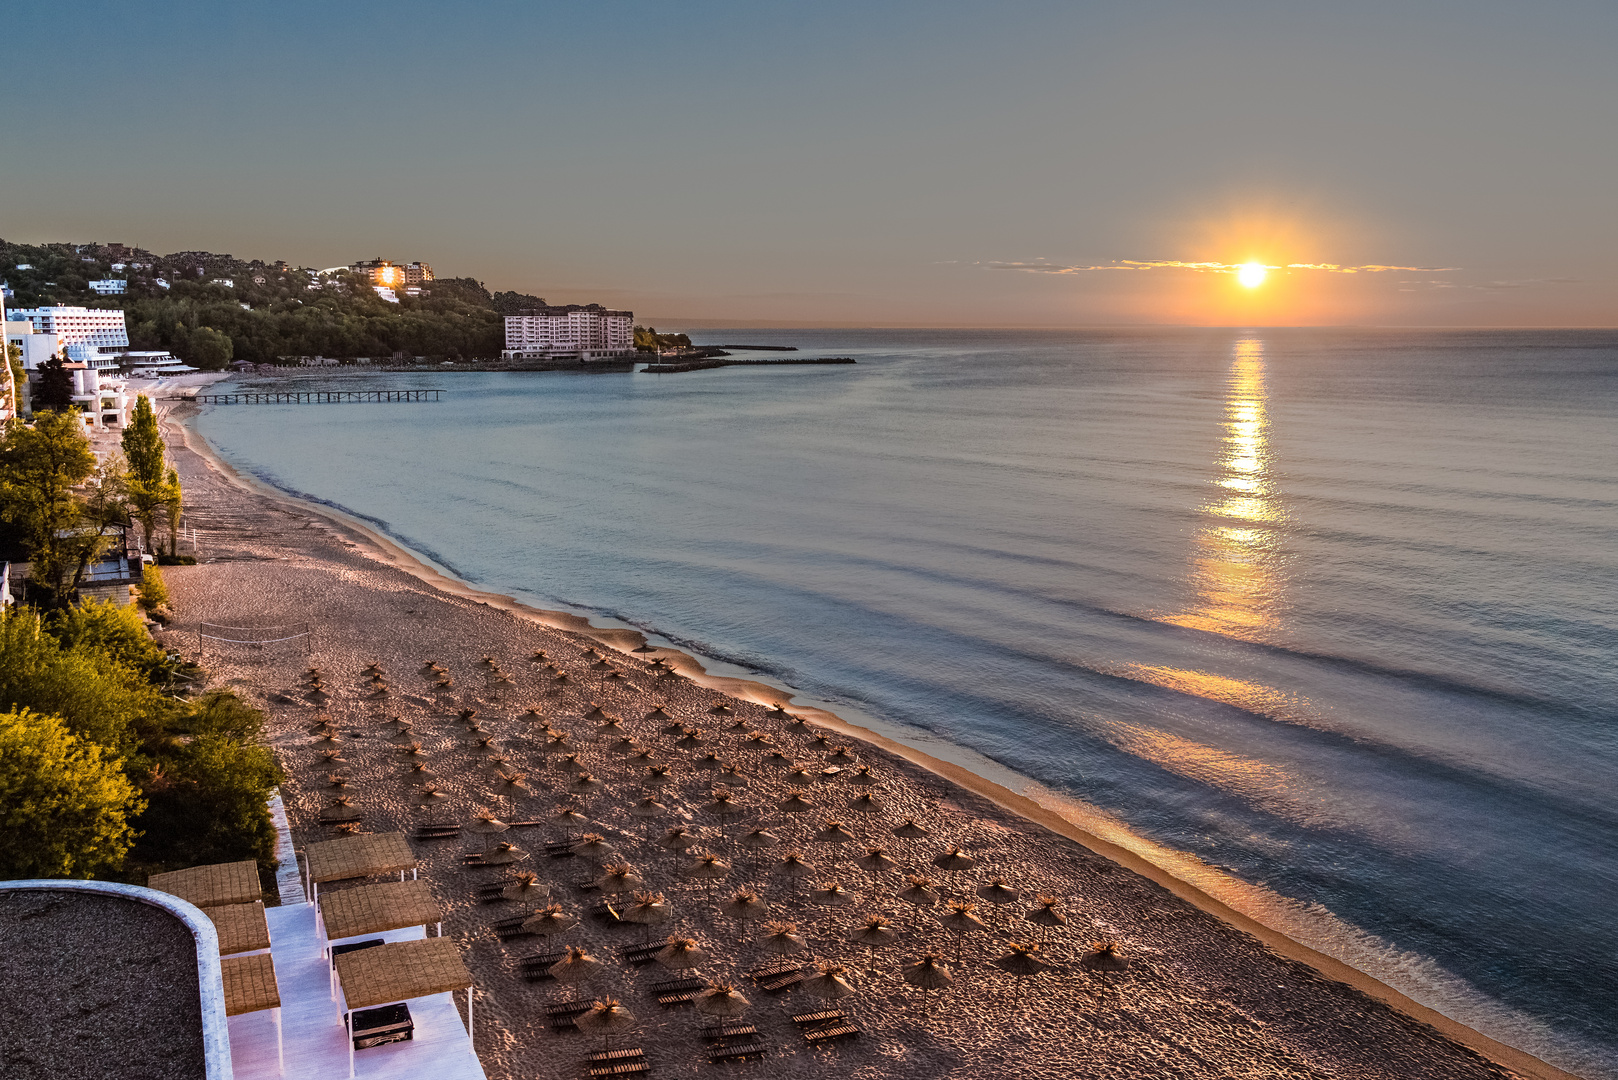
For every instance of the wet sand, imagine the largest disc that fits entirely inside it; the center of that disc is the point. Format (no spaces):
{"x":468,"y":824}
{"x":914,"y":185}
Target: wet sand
{"x":1209,"y":993}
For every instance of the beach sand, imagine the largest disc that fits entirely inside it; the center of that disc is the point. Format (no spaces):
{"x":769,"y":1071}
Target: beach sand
{"x":1207,"y":994}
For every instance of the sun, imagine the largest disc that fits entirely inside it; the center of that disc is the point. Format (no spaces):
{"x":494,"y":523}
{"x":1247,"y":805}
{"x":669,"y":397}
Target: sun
{"x":1252,"y":275}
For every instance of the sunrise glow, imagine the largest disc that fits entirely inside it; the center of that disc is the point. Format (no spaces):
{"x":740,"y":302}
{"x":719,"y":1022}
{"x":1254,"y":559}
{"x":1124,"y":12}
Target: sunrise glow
{"x":1252,"y":275}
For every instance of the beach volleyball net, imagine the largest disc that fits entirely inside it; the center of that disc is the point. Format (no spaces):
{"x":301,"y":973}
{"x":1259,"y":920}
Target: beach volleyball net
{"x":291,"y":635}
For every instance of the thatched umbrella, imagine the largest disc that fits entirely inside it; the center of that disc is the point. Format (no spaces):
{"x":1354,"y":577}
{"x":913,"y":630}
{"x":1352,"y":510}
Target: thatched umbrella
{"x":676,"y":840}
{"x":337,"y":780}
{"x":373,"y":668}
{"x":1103,"y":960}
{"x":380,"y":693}
{"x":955,"y":859}
{"x":319,"y":697}
{"x":832,"y":832}
{"x":708,"y":867}
{"x":731,"y":774}
{"x":798,"y":724}
{"x":495,"y":764}
{"x":793,"y":868}
{"x":673,"y":727}
{"x":997,"y":892}
{"x":623,"y":746}
{"x":721,"y":709}
{"x":759,"y":740}
{"x":691,"y":739}
{"x":558,"y":742}
{"x":503,"y":854}
{"x":725,"y":809}
{"x":873,"y":934}
{"x":412,"y":749}
{"x":910,"y":829}
{"x":781,"y":939}
{"x":466,"y":716}
{"x":512,"y":783}
{"x":720,"y":999}
{"x":618,"y":879}
{"x":756,"y":841}
{"x":486,"y":825}
{"x":866,"y":803}
{"x":429,"y":670}
{"x":584,"y":785}
{"x":655,"y":715}
{"x":840,"y":756}
{"x":341,"y":809}
{"x":572,"y":763}
{"x":647,"y":809}
{"x":926,"y":974}
{"x":649,"y":909}
{"x":549,"y":921}
{"x":605,"y":1018}
{"x":488,"y":744}
{"x":875,"y":861}
{"x":593,"y":848}
{"x":1044,"y":914}
{"x":1021,"y":962}
{"x":613,"y":677}
{"x":743,"y":907}
{"x":820,"y":740}
{"x":610,"y":725}
{"x":863,"y":777}
{"x":918,"y":891}
{"x":328,"y":758}
{"x":832,"y":894}
{"x":570,"y":819}
{"x":962,"y":919}
{"x":796,"y":802}
{"x":657,"y":776}
{"x":527,"y":888}
{"x":405,"y":736}
{"x":778,"y":759}
{"x":429,"y":795}
{"x":444,"y":684}
{"x":828,"y":983}
{"x":577,"y":966}
{"x":328,"y":735}
{"x":801,"y":775}
{"x":681,"y":954}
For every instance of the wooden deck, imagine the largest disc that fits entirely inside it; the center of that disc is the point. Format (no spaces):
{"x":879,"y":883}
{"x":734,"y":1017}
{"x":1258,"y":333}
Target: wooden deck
{"x":314,"y":1035}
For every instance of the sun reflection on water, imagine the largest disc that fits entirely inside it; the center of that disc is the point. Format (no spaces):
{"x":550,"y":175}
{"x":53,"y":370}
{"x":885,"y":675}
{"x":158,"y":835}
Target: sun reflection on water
{"x":1236,"y":569}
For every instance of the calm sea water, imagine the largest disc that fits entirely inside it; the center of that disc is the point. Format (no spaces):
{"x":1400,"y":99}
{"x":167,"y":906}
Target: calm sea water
{"x":1334,"y":612}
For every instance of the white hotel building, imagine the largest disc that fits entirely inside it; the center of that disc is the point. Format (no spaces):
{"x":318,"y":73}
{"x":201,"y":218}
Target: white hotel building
{"x":90,"y":335}
{"x":575,"y":331}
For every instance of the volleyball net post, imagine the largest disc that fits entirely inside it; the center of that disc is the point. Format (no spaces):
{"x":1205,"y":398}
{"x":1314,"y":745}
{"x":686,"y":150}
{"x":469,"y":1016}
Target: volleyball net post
{"x":256,"y":636}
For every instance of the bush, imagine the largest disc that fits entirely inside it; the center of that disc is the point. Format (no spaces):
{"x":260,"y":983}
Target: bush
{"x":64,"y":802}
{"x":114,"y":631}
{"x":154,"y":593}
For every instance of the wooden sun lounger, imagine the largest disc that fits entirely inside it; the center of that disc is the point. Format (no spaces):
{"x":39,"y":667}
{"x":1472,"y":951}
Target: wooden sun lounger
{"x":774,"y":984}
{"x":506,"y":929}
{"x":830,"y":1033}
{"x":632,"y":1067}
{"x":561,"y":850}
{"x":669,"y":986}
{"x":606,"y":1057}
{"x":675,"y":998}
{"x":537,"y":968}
{"x":563,"y":1013}
{"x":737,"y":1052}
{"x":640,"y":955}
{"x":730,"y":1030}
{"x":824,"y":1016}
{"x":436,"y":832}
{"x":607,"y":914}
{"x":780,"y":967}
{"x":489,"y":894}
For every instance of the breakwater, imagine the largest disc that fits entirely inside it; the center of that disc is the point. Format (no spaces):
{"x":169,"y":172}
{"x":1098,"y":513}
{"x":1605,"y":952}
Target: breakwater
{"x":703,"y":365}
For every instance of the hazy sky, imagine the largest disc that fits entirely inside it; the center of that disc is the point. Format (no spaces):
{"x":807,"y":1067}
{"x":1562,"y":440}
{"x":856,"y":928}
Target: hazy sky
{"x":860,"y":163}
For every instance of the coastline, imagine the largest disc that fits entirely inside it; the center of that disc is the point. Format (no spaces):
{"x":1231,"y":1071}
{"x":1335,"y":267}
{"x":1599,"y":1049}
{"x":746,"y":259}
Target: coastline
{"x":180,"y":422}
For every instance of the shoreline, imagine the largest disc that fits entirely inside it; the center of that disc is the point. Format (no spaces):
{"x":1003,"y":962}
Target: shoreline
{"x":396,"y":555}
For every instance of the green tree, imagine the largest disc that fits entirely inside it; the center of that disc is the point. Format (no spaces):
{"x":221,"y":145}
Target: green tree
{"x":172,"y":506}
{"x":114,"y":631}
{"x":16,"y":379}
{"x":143,"y":449}
{"x":154,"y":591}
{"x":65,"y":803}
{"x":209,"y":349}
{"x":55,"y":389}
{"x":39,"y":468}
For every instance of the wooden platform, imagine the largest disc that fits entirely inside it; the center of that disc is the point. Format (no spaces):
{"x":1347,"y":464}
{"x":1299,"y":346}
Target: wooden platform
{"x":315,"y":1044}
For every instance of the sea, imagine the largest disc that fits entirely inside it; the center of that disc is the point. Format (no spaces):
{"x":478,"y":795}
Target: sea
{"x":1325,"y":620}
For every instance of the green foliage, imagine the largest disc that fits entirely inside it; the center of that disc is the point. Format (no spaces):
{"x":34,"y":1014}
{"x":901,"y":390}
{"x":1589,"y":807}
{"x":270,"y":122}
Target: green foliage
{"x":39,"y":468}
{"x":143,"y":449}
{"x":208,"y":793}
{"x":647,"y":339}
{"x":154,"y":592}
{"x":113,"y":631}
{"x":509,"y":303}
{"x":207,"y":349}
{"x":65,"y":802}
{"x":55,"y":389}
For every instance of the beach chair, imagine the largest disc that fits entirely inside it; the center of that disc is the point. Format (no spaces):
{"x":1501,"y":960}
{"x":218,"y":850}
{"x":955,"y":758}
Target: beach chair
{"x":722,"y":1054}
{"x":730,"y":1029}
{"x":641,"y":955}
{"x":490,"y":894}
{"x":669,"y":986}
{"x":507,"y":929}
{"x":627,"y":1062}
{"x":826,"y":1034}
{"x":606,"y":913}
{"x":775,"y":984}
{"x":538,"y":968}
{"x":436,"y":832}
{"x":560,"y":850}
{"x":824,"y":1016}
{"x":780,"y":967}
{"x":562,"y":1013}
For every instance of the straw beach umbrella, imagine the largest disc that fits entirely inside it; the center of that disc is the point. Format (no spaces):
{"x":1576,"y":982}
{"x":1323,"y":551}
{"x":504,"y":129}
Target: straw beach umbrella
{"x":962,"y":919}
{"x":863,"y":778}
{"x":681,"y":954}
{"x":720,"y":999}
{"x":569,"y":818}
{"x":918,"y":891}
{"x":954,"y":859}
{"x":606,"y":1018}
{"x":832,"y":895}
{"x":527,"y":888}
{"x":796,"y":802}
{"x":593,"y":848}
{"x":1044,"y":914}
{"x":549,"y":921}
{"x":792,"y":868}
{"x":576,"y":968}
{"x":676,"y":840}
{"x":876,"y":932}
{"x":928,"y":974}
{"x":840,"y":756}
{"x":782,"y":939}
{"x":910,"y":829}
{"x":828,"y":983}
{"x":708,"y":867}
{"x":1103,"y":959}
{"x":744,"y":907}
{"x":647,"y":809}
{"x":486,"y":825}
{"x":648,"y":909}
{"x":1021,"y":962}
{"x":756,"y":841}
{"x":503,"y":854}
{"x":866,"y":803}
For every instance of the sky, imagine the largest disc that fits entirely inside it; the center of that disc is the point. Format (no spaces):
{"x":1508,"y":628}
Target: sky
{"x":853,"y":163}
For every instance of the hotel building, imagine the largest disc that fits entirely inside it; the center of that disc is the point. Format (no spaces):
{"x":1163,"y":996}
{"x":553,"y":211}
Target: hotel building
{"x":573,"y":331}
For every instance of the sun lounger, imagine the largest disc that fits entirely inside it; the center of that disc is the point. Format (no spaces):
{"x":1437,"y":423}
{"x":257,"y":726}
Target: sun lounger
{"x":736,"y":1053}
{"x":506,"y":929}
{"x":489,"y":894}
{"x":560,"y":850}
{"x":729,"y":1030}
{"x":780,"y":967}
{"x":824,"y":1016}
{"x":619,"y":1068}
{"x":774,"y":984}
{"x":675,"y":998}
{"x":830,"y":1033}
{"x":563,"y":1013}
{"x":607,"y":1057}
{"x":436,"y":832}
{"x":537,"y":968}
{"x":641,"y":955}
{"x":669,"y":986}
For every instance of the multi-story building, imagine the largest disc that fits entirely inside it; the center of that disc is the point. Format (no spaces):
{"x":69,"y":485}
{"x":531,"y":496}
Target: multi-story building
{"x":108,"y":286}
{"x":88,"y":335}
{"x":417,"y":273}
{"x":584,"y":331}
{"x":390,"y":275}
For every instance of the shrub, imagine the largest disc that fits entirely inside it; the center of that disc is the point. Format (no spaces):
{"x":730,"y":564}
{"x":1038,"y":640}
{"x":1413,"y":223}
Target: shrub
{"x":64,"y":802}
{"x":114,"y":631}
{"x":154,"y":593}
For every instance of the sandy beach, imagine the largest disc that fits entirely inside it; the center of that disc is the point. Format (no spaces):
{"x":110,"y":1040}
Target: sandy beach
{"x":1207,"y":994}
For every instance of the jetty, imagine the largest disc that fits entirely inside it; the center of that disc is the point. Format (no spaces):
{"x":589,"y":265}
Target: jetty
{"x":312,"y":397}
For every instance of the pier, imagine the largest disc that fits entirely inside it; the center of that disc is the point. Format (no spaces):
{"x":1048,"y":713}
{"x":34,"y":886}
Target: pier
{"x":704,"y":365}
{"x":313,"y":397}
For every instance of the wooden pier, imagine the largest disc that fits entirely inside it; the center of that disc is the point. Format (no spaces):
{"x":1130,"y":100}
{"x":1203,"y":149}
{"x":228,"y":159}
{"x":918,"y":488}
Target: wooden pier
{"x":314,"y":397}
